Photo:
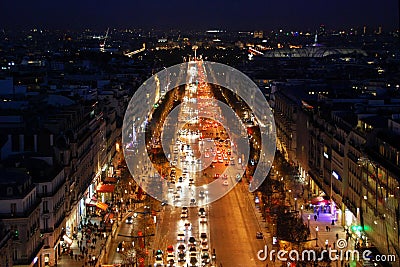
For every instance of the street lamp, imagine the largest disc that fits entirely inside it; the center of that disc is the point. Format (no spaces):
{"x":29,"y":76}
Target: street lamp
{"x":301,"y":212}
{"x":295,"y":203}
{"x":316,"y":236}
{"x":308,"y":218}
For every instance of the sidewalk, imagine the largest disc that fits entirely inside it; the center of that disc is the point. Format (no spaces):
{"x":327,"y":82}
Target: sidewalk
{"x":78,"y":260}
{"x":328,"y":236}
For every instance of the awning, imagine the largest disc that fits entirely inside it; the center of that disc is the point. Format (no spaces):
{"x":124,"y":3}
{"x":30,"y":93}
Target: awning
{"x":320,"y":201}
{"x":67,"y":239}
{"x":105,"y":188}
{"x":102,"y":205}
{"x":111,"y":180}
{"x":91,"y":202}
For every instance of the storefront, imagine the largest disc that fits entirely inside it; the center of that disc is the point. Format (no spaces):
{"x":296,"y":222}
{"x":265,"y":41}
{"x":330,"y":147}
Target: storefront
{"x":65,"y":243}
{"x":105,"y":192}
{"x":72,"y":222}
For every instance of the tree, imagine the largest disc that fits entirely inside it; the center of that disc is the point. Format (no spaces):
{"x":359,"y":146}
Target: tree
{"x":290,"y":227}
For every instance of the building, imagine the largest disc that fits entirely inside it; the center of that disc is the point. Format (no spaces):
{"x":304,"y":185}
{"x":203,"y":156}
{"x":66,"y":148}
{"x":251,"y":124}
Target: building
{"x":20,"y":214}
{"x":6,"y":247}
{"x":346,"y":148}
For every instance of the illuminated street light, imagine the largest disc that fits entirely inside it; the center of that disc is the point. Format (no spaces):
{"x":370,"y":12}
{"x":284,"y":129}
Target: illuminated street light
{"x":316,"y":236}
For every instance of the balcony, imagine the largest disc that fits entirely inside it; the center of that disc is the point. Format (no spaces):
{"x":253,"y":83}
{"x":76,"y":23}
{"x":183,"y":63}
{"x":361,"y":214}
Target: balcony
{"x":27,"y":261}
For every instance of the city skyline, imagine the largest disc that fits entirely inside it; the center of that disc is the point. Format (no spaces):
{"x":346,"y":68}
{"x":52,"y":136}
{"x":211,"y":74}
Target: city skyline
{"x":238,"y":15}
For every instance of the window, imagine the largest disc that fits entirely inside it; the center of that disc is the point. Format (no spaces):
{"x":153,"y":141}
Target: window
{"x":29,"y":143}
{"x":13,"y":208}
{"x":45,"y":207}
{"x":45,"y":223}
{"x":15,"y":143}
{"x":44,"y":190}
{"x":10,"y":191}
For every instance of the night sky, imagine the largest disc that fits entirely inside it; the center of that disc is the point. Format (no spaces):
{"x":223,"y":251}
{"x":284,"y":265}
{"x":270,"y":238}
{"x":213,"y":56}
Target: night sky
{"x":202,"y":14}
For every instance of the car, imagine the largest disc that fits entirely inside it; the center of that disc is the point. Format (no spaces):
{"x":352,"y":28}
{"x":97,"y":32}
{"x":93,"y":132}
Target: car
{"x":181,"y":248}
{"x":216,"y":176}
{"x":181,"y":236}
{"x":204,"y":245}
{"x":225,"y":182}
{"x":170,"y":256}
{"x":120,"y":247}
{"x":259,"y":235}
{"x":158,"y":261}
{"x":181,"y":257}
{"x":202,"y":194}
{"x":205,"y":258}
{"x":203,"y":236}
{"x":193,"y":261}
{"x":202,"y":211}
{"x":170,"y":249}
{"x":184,"y":214}
{"x":204,"y":250}
{"x":192,"y":249}
{"x":159,"y":252}
{"x":188,"y":226}
{"x":203,"y":219}
{"x":129,"y":220}
{"x":192,"y":201}
{"x":192,"y":240}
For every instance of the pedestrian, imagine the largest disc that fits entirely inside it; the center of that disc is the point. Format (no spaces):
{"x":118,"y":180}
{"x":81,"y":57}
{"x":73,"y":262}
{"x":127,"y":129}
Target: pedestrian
{"x":315,"y":217}
{"x":327,"y":228}
{"x":337,"y":236}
